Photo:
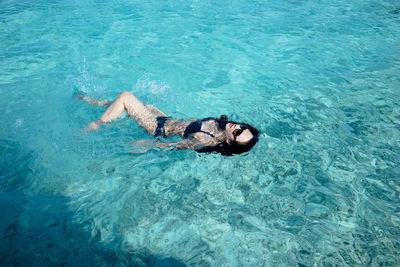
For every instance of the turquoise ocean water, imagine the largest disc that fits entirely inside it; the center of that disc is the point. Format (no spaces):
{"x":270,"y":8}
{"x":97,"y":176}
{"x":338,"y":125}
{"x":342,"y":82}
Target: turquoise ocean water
{"x":319,"y":79}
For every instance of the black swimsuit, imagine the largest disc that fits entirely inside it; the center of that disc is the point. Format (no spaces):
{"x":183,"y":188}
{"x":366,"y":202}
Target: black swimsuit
{"x":160,"y":131}
{"x":195,"y":127}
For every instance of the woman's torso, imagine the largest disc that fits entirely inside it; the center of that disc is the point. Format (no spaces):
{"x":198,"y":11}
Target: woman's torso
{"x":206,"y":131}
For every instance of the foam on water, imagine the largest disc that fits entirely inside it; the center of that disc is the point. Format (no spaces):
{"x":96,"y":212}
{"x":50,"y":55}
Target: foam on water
{"x":319,"y":80}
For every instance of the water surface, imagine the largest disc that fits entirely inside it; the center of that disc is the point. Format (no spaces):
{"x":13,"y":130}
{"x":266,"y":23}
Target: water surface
{"x":319,"y":79}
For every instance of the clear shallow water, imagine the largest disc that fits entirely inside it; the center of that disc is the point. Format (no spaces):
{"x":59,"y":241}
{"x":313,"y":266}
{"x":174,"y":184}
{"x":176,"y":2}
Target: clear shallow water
{"x":319,"y":79}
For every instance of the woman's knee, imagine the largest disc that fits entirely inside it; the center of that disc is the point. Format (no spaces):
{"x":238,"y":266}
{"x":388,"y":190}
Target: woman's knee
{"x":125,"y":95}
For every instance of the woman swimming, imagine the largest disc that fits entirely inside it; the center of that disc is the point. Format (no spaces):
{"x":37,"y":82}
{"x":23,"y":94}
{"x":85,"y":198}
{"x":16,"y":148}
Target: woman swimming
{"x":206,"y":135}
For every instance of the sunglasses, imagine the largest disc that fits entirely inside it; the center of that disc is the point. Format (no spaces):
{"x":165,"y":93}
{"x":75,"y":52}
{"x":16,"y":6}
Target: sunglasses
{"x":238,"y":131}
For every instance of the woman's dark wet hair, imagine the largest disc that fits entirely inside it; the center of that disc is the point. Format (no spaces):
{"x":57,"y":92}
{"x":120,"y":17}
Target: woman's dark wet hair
{"x":226,"y":149}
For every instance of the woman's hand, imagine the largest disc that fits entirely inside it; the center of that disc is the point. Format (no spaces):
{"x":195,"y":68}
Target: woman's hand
{"x":142,"y":146}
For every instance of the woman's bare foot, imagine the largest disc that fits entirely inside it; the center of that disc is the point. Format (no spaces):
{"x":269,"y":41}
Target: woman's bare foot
{"x":94,"y":102}
{"x":79,"y":96}
{"x":93,"y":126}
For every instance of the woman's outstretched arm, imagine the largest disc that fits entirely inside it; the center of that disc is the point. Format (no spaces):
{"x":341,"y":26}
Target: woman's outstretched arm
{"x":190,"y":143}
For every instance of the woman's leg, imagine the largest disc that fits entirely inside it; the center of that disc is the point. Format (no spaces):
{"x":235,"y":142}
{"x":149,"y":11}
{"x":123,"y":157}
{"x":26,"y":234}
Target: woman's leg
{"x":106,"y":103}
{"x":94,"y":102}
{"x":156,"y":112}
{"x":136,"y":109}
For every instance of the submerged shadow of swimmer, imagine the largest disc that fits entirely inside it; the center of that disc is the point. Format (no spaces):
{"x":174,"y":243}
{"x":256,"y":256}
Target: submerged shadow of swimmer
{"x":202,"y":135}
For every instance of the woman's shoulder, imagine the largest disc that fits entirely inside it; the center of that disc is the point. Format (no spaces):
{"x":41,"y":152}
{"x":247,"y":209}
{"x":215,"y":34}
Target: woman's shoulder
{"x":209,"y":122}
{"x":209,"y":119}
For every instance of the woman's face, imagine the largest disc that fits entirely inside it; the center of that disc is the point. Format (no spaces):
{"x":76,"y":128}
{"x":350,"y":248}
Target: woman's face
{"x":238,"y":133}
